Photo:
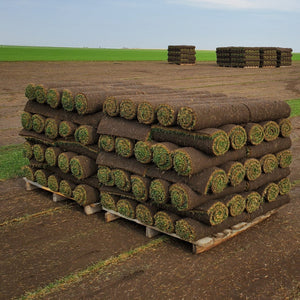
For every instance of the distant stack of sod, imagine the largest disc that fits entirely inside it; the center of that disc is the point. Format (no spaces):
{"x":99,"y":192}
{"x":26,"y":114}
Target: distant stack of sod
{"x":181,"y":54}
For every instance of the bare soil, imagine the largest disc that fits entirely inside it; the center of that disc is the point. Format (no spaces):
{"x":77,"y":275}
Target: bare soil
{"x":262,"y":263}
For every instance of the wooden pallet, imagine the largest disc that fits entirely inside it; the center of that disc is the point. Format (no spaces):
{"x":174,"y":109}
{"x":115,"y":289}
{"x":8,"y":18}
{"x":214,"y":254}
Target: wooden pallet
{"x":56,"y":197}
{"x":202,"y":244}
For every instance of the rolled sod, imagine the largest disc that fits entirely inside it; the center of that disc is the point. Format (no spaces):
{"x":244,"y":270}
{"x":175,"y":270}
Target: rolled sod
{"x":268,"y":163}
{"x":105,"y":176}
{"x":146,"y":113}
{"x":255,"y":133}
{"x":54,"y":97}
{"x":53,"y":182}
{"x":41,"y":177}
{"x":84,"y":194}
{"x":166,"y":115}
{"x":285,"y":126}
{"x":41,"y":93}
{"x":66,"y":128}
{"x":212,"y":212}
{"x":63,"y":161}
{"x":189,"y":229}
{"x":109,"y":201}
{"x":106,"y":142}
{"x":39,"y":152}
{"x":127,"y":207}
{"x":26,"y":120}
{"x":237,"y":135}
{"x":159,"y":191}
{"x":269,"y":192}
{"x":29,"y":172}
{"x":86,"y":135}
{"x":89,"y":102}
{"x":124,"y":147}
{"x":68,"y":99}
{"x":66,"y":188}
{"x":162,"y":155}
{"x":235,"y":203}
{"x":38,"y":123}
{"x":165,"y":221}
{"x":82,"y":166}
{"x":27,"y":150}
{"x":142,"y":151}
{"x":271,"y":130}
{"x":128,"y":109}
{"x":253,"y":201}
{"x":51,"y":155}
{"x":140,"y":187}
{"x":235,"y":172}
{"x":51,"y":128}
{"x":145,"y":213}
{"x":111,"y":106}
{"x":284,"y":186}
{"x":30,"y":91}
{"x":284,"y":158}
{"x":122,"y":180}
{"x":252,"y":168}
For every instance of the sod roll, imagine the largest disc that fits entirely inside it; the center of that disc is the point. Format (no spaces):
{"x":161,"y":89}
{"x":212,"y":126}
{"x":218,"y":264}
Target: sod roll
{"x":39,"y":152}
{"x":252,"y":168}
{"x":111,"y":106}
{"x":30,"y":91}
{"x":145,"y":213}
{"x":269,"y":192}
{"x":54,"y":97}
{"x":66,"y":187}
{"x":162,"y":155}
{"x":29,"y":172}
{"x":41,"y":177}
{"x":51,"y":155}
{"x":27,"y":150}
{"x":235,"y":203}
{"x":284,"y":158}
{"x":159,"y":191}
{"x":40,"y":93}
{"x":255,"y":133}
{"x":165,"y":221}
{"x":105,"y":176}
{"x":146,"y":112}
{"x":189,"y":230}
{"x":285,"y":127}
{"x":284,"y":186}
{"x":237,"y":135}
{"x":84,"y":194}
{"x":82,"y":166}
{"x":253,"y":201}
{"x":53,"y":182}
{"x":63,"y":161}
{"x":128,"y":109}
{"x":106,"y":143}
{"x":38,"y":123}
{"x":268,"y":163}
{"x":127,"y":207}
{"x":66,"y":128}
{"x":51,"y":128}
{"x":140,"y":187}
{"x":122,"y":180}
{"x":124,"y":147}
{"x":26,"y":120}
{"x":89,"y":102}
{"x":235,"y":172}
{"x":142,"y":151}
{"x":271,"y":130}
{"x":86,"y":135}
{"x":68,"y":99}
{"x":109,"y":201}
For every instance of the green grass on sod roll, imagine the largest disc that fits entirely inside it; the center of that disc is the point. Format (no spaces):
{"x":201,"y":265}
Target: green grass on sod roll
{"x":127,"y":208}
{"x":41,"y":177}
{"x":270,"y":192}
{"x":105,"y":176}
{"x":124,"y":147}
{"x":146,"y":113}
{"x":53,"y":183}
{"x":236,"y":204}
{"x":217,"y":182}
{"x":122,"y":180}
{"x":187,"y":229}
{"x":186,"y":118}
{"x":182,"y":163}
{"x":159,"y":191}
{"x":255,"y":133}
{"x":84,"y":194}
{"x":237,"y":137}
{"x":51,"y":155}
{"x":106,"y":142}
{"x":128,"y":109}
{"x":285,"y":126}
{"x":217,"y":213}
{"x":53,"y":98}
{"x":66,"y":188}
{"x":236,"y":173}
{"x":284,"y":158}
{"x":67,"y":100}
{"x":142,"y":152}
{"x":38,"y":123}
{"x":268,"y":163}
{"x":63,"y":161}
{"x":284,"y":186}
{"x":253,"y":202}
{"x":30,"y":91}
{"x":139,"y":188}
{"x":82,"y":166}
{"x":51,"y":128}
{"x":28,"y":172}
{"x":81,"y":104}
{"x":166,"y":115}
{"x":145,"y":214}
{"x":109,"y":201}
{"x":39,"y":152}
{"x":162,"y":156}
{"x":111,"y":106}
{"x":66,"y":129}
{"x":253,"y":168}
{"x":26,"y":120}
{"x":295,"y":107}
{"x":85,"y":135}
{"x":27,"y":150}
{"x":165,"y":221}
{"x":271,"y":130}
{"x":40,"y":93}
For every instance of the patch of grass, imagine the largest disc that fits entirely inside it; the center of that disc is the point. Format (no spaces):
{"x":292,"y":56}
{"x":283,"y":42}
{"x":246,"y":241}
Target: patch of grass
{"x":295,"y":107}
{"x":11,"y":161}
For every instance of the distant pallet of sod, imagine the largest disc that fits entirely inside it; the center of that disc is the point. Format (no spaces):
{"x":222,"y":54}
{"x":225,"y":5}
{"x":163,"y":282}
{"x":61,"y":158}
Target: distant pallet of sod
{"x":24,"y":53}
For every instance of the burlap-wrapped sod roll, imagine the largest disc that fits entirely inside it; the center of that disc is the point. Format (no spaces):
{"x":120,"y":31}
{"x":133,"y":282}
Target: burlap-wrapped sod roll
{"x":106,"y":143}
{"x":38,"y":123}
{"x":127,"y":207}
{"x":51,"y":155}
{"x":105,"y":176}
{"x":255,"y":133}
{"x":140,"y":187}
{"x":237,"y":135}
{"x":63,"y":161}
{"x":84,"y":194}
{"x":165,"y":221}
{"x":142,"y":151}
{"x":66,"y":187}
{"x":30,"y":91}
{"x":284,"y":158}
{"x":26,"y":120}
{"x":252,"y":168}
{"x":235,"y":172}
{"x":41,"y":177}
{"x":284,"y":186}
{"x":39,"y":152}
{"x":52,"y":128}
{"x":269,"y":192}
{"x":27,"y":150}
{"x":86,"y":135}
{"x":122,"y":179}
{"x":271,"y":130}
{"x":82,"y":166}
{"x":162,"y":155}
{"x":253,"y":201}
{"x":159,"y":191}
{"x":89,"y":102}
{"x":66,"y":128}
{"x":145,"y":213}
{"x":268,"y":163}
{"x":53,"y":182}
{"x":109,"y":201}
{"x":124,"y":147}
{"x":235,"y":203}
{"x":28,"y":172}
{"x":285,"y":126}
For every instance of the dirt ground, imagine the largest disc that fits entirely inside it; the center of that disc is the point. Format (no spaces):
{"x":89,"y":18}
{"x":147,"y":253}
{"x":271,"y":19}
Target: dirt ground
{"x":47,"y":241}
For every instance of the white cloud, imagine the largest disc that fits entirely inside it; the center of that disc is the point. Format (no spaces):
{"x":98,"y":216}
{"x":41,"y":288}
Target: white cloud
{"x":271,"y":5}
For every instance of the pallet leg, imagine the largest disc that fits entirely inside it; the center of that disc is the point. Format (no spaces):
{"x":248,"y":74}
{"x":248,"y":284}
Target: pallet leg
{"x":29,"y":186}
{"x":150,"y":232}
{"x":57,"y":198}
{"x":92,"y":208}
{"x":109,"y":217}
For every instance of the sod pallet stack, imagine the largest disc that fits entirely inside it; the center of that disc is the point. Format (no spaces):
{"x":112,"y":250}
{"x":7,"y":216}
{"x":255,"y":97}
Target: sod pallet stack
{"x":193,"y":164}
{"x":181,"y":54}
{"x":268,"y":57}
{"x":245,"y":57}
{"x":284,"y":57}
{"x":223,"y":56}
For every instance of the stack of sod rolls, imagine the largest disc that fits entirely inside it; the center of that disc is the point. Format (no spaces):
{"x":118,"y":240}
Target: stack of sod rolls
{"x":193,"y":164}
{"x":181,"y":54}
{"x":223,"y":56}
{"x":268,"y":57}
{"x":284,"y":57}
{"x":245,"y":57}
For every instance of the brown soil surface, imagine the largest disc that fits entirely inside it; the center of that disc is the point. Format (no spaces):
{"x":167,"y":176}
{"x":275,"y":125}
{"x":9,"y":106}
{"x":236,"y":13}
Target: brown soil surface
{"x":37,"y":249}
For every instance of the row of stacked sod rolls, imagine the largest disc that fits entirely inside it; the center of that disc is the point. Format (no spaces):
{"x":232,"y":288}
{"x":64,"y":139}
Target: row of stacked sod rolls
{"x":193,"y":163}
{"x":181,"y":54}
{"x":253,"y":57}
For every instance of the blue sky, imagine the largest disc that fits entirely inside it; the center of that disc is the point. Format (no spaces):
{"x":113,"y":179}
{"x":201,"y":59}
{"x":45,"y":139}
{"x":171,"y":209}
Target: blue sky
{"x":207,"y":24}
